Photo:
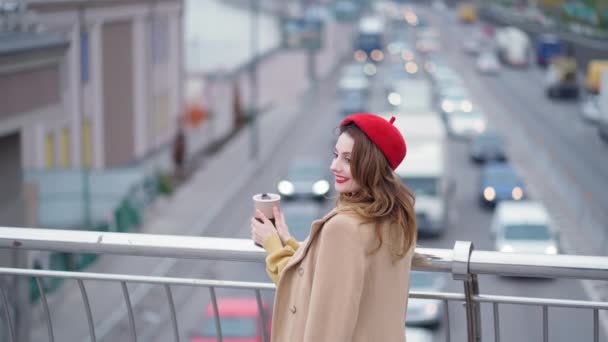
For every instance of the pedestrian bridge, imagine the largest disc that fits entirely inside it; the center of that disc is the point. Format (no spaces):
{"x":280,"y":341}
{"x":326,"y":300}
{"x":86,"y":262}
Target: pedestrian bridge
{"x":462,"y":262}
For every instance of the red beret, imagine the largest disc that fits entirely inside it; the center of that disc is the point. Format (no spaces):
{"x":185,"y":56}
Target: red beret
{"x":383,"y":134}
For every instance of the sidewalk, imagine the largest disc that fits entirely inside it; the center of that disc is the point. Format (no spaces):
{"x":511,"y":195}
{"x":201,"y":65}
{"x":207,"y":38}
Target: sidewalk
{"x":280,"y":80}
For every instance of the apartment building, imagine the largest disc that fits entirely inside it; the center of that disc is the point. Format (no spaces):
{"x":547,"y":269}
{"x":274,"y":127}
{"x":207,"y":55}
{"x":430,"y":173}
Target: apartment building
{"x":120,"y":83}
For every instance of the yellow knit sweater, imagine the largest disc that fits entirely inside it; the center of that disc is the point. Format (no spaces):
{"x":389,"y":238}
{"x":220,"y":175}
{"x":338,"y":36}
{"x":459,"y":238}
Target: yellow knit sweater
{"x":278,"y":255}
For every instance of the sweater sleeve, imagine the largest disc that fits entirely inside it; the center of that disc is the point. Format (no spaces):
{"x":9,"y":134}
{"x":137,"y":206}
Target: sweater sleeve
{"x":338,"y":282}
{"x":278,"y":255}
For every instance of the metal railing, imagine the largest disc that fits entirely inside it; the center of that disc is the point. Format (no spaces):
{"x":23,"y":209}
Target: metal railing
{"x":463,"y":262}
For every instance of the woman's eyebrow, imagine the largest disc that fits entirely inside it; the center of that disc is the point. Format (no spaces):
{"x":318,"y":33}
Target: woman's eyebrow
{"x":345,"y":153}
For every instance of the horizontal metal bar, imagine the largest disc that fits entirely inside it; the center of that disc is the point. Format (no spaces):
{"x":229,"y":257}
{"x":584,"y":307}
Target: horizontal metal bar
{"x":138,"y":279}
{"x":153,"y":245}
{"x":196,"y":247}
{"x":539,"y":265}
{"x":437,"y":295}
{"x":566,"y":303}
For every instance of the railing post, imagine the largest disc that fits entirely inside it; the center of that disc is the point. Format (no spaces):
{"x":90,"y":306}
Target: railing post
{"x":460,"y":271}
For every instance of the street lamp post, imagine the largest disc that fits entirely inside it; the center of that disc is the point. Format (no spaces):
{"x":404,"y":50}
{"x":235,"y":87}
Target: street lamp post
{"x":253,"y":78}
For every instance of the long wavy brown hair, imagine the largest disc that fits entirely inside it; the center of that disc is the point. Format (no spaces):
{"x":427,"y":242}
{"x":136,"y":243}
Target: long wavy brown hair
{"x":382,"y":197}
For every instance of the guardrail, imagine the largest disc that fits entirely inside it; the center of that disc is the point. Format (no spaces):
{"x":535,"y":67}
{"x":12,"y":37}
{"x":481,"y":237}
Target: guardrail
{"x":463,"y":262}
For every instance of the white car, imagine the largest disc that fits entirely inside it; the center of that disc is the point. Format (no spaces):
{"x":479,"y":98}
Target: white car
{"x":418,"y":335}
{"x":466,"y":124}
{"x":425,"y":312}
{"x":488,"y":63}
{"x":471,"y":46}
{"x":524,"y":227}
{"x":590,"y":109}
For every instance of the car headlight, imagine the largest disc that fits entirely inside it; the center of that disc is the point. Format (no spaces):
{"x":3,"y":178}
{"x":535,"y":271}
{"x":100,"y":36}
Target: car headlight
{"x":360,"y":56}
{"x":489,"y":193}
{"x":551,"y":250}
{"x":466,"y":106}
{"x":431,"y":309}
{"x":286,"y":188}
{"x":411,"y":67}
{"x":447,"y":106}
{"x":506,"y":249}
{"x":517,"y":193}
{"x":407,"y":55}
{"x":480,"y":126}
{"x":394,"y":99}
{"x":369,"y":69}
{"x":320,"y":187}
{"x":377,"y":55}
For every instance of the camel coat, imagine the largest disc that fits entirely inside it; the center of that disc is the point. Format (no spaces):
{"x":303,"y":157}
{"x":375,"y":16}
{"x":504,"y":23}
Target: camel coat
{"x":329,"y":289}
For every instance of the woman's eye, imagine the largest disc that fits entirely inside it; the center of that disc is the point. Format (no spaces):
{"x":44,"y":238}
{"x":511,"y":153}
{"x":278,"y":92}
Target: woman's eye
{"x":335,"y":155}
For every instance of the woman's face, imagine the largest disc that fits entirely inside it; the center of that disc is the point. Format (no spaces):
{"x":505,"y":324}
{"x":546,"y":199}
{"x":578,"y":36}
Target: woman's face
{"x":340,"y":166}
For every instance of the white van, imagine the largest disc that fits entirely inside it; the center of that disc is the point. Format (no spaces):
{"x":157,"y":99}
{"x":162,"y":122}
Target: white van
{"x":523,"y":227}
{"x":514,"y":47}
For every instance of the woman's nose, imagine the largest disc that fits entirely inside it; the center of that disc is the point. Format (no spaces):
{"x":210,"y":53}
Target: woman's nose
{"x":334,"y":165}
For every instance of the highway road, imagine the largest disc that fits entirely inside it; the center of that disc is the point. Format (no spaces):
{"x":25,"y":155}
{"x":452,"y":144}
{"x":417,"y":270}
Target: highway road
{"x":312,"y":135}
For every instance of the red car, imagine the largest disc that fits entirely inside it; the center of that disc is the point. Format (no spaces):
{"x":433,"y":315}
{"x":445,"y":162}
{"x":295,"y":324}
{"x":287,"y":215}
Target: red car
{"x":240,"y":321}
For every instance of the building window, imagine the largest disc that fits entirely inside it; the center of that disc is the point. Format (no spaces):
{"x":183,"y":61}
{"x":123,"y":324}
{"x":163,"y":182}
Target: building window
{"x":64,"y":156}
{"x":159,"y":39}
{"x":86,"y":143}
{"x":84,"y":57}
{"x":49,"y":148}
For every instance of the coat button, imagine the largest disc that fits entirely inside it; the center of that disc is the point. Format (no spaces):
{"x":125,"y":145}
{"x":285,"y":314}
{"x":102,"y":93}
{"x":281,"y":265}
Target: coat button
{"x":300,"y":270}
{"x":293,"y":309}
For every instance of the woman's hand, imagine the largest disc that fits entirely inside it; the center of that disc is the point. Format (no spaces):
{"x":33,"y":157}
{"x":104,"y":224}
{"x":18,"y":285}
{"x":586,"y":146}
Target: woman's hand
{"x":282,"y":228}
{"x":260,"y":231}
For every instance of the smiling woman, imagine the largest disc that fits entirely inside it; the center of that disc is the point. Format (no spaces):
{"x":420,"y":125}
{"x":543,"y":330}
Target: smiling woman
{"x":369,"y":238}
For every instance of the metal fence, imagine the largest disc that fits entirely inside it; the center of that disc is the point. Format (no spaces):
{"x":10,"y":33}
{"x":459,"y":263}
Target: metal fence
{"x":462,"y":262}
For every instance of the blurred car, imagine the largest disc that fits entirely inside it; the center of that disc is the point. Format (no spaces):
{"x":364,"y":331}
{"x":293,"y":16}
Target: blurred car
{"x":471,"y":46}
{"x":240,"y":321}
{"x":351,"y":102}
{"x":299,"y":217}
{"x":561,"y":78}
{"x":524,"y":227}
{"x":425,"y":312}
{"x":413,"y":334}
{"x":454,"y":98}
{"x":467,"y":12}
{"x":444,"y":77}
{"x":354,"y":84}
{"x":428,"y":45}
{"x":499,"y":182}
{"x":397,"y":50}
{"x":548,"y":46}
{"x":487,"y":147}
{"x":466,"y":124}
{"x":345,"y":10}
{"x":352,"y":70}
{"x":590,"y":109}
{"x":397,"y":72}
{"x":488,"y":63}
{"x":306,"y":178}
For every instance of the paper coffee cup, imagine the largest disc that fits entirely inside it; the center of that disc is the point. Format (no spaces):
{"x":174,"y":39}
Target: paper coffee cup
{"x":265,"y":202}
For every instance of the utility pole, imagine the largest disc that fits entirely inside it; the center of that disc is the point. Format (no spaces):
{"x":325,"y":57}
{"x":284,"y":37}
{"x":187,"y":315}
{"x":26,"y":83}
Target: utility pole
{"x":253,"y":107}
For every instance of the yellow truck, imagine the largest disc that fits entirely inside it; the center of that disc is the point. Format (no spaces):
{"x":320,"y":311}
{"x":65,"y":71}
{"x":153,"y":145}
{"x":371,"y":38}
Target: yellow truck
{"x":467,"y":13}
{"x":594,"y":74}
